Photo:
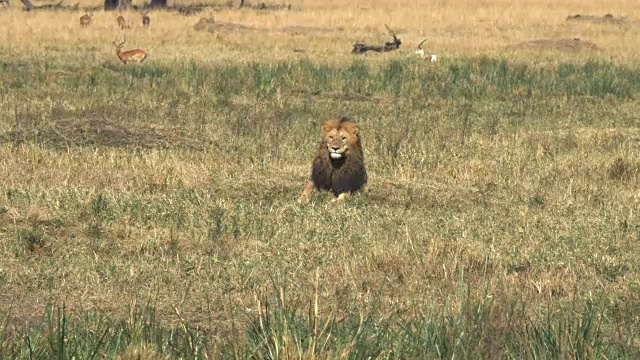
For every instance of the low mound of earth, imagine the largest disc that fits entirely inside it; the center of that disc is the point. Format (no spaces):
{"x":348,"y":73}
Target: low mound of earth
{"x":95,"y":131}
{"x":606,"y":19}
{"x":563,"y":45}
{"x":209,"y":24}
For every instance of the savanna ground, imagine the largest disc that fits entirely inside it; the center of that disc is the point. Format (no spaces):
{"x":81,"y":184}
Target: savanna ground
{"x":150,"y":211}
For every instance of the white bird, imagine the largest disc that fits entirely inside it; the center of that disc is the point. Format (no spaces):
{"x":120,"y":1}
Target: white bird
{"x":420,"y":51}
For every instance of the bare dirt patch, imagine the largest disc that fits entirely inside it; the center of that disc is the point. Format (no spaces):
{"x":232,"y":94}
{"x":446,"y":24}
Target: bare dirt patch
{"x":303,"y":30}
{"x":562,"y":45}
{"x":209,"y":24}
{"x":101,"y":132}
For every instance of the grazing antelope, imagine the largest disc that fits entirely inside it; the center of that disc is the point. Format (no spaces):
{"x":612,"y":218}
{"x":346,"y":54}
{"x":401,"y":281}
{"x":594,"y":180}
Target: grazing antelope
{"x":146,"y":20}
{"x":128,"y":56}
{"x":122,"y":23}
{"x":420,"y":51}
{"x":85,"y":20}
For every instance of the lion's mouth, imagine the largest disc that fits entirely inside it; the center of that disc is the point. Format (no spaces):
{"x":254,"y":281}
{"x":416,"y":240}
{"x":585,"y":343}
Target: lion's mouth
{"x":335,"y":155}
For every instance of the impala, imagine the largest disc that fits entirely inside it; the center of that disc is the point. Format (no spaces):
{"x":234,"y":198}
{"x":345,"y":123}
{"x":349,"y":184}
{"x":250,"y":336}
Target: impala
{"x":128,"y":56}
{"x":122,"y":23}
{"x":85,"y":20}
{"x":146,"y":20}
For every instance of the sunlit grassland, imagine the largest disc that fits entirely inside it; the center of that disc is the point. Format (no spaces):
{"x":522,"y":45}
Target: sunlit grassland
{"x":326,"y":30}
{"x":158,"y":202}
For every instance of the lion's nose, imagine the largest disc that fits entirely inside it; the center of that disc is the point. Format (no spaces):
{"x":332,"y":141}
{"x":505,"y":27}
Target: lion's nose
{"x":335,"y":148}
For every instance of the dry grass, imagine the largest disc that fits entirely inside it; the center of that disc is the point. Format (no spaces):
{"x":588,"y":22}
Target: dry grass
{"x":176,"y":180}
{"x":329,"y":28}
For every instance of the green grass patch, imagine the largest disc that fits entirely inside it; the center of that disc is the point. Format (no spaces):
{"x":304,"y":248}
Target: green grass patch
{"x":283,"y":327}
{"x":500,"y":217}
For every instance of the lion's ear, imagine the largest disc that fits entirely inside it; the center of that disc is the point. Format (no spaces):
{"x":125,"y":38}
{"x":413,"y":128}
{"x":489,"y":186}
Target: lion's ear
{"x":351,"y":128}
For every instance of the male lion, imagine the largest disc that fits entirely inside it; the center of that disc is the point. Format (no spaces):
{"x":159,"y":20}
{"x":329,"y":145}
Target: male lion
{"x":339,"y":162}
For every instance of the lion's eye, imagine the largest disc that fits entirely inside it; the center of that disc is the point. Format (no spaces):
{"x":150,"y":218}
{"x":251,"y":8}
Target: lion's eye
{"x":344,"y":139}
{"x":330,"y":137}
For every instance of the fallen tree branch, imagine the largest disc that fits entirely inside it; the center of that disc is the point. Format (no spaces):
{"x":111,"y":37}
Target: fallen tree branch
{"x":388,"y":46}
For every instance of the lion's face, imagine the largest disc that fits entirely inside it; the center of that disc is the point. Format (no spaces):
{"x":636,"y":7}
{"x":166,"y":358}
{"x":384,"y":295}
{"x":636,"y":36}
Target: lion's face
{"x":339,"y":138}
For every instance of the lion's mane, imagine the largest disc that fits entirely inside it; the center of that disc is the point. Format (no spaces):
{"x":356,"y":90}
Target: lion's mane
{"x":347,"y":174}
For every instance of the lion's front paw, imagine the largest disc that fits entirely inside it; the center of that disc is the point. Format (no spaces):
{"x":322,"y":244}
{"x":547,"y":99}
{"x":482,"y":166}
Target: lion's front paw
{"x":306,"y":193}
{"x":304,"y":197}
{"x":340,"y":199}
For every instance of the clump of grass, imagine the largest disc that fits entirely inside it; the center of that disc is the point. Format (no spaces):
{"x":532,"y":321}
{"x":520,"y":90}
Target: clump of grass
{"x":100,"y":209}
{"x":215,"y":227}
{"x":356,"y":78}
{"x":139,"y":352}
{"x":568,"y":333}
{"x":284,"y":326}
{"x":31,"y":238}
{"x":98,"y":214}
{"x":536,"y":201}
{"x":621,"y":169}
{"x":61,"y":335}
{"x":443,"y":333}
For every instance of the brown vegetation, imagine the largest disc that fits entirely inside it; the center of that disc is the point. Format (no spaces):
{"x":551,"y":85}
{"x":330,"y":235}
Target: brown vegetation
{"x":606,"y":19}
{"x":209,"y":24}
{"x":563,"y":45}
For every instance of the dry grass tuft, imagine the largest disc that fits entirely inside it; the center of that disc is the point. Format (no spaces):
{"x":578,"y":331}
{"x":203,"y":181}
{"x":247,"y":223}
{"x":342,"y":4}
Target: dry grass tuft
{"x":562,"y":45}
{"x":140,"y":352}
{"x":606,"y":19}
{"x":452,"y":29}
{"x":93,"y":130}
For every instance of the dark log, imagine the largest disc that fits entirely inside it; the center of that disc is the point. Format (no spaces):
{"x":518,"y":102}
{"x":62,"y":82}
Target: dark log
{"x":388,"y":46}
{"x":27,"y":4}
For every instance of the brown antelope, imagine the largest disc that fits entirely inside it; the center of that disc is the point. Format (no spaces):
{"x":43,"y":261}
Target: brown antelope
{"x":128,"y":56}
{"x":85,"y":20}
{"x":122,"y":23}
{"x":146,"y":20}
